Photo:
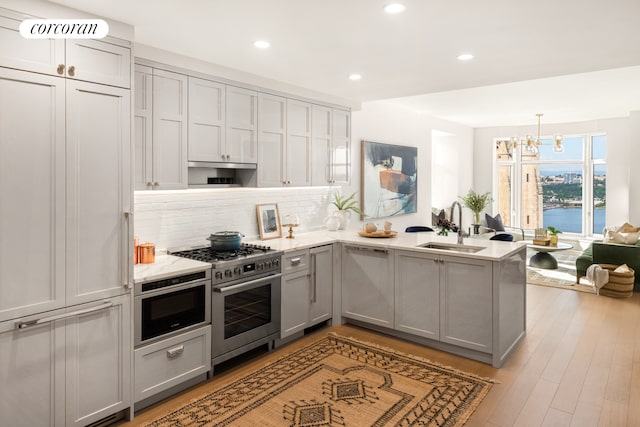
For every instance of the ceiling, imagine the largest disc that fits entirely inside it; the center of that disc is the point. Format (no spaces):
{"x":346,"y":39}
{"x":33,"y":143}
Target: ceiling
{"x":520,"y":49}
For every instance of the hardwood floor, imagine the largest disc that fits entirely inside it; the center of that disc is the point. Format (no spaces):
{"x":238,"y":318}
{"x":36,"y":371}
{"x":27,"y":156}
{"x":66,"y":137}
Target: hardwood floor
{"x":579,"y":365}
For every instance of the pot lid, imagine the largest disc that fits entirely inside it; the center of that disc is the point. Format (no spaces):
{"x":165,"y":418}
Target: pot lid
{"x":233,"y":234}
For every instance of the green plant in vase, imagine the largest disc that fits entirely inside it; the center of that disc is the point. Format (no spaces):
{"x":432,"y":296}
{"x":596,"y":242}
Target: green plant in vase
{"x":476,"y":202}
{"x":553,"y":235}
{"x":345,"y":206}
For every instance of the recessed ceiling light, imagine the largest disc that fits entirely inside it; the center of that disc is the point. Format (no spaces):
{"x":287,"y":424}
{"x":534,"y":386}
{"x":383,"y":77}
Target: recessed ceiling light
{"x":465,"y":57}
{"x":394,"y":8}
{"x":355,"y":77}
{"x":262,"y":44}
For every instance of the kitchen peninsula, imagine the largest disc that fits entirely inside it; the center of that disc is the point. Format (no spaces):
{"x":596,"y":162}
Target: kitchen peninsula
{"x":468,"y":300}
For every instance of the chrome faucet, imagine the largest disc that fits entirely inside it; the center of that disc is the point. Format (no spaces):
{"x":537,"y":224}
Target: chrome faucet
{"x":460,"y":233}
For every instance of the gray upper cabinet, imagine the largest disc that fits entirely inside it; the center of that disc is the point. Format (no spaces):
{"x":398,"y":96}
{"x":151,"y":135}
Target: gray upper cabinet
{"x":284,"y":142}
{"x":272,"y":136}
{"x":331,"y":145}
{"x":183,"y":120}
{"x":298,"y":143}
{"x":207,"y":121}
{"x":106,"y":61}
{"x":242,"y":125}
{"x":340,"y":160}
{"x":160,"y":129}
{"x":321,"y":130}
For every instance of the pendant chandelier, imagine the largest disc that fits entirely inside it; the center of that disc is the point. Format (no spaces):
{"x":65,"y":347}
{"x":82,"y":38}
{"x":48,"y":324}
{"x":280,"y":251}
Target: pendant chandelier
{"x":530,"y":144}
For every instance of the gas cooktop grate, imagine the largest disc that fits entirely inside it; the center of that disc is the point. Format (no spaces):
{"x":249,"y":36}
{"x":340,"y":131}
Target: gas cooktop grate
{"x":209,"y":255}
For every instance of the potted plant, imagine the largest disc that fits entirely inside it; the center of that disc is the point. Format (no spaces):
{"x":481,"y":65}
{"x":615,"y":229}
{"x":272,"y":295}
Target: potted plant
{"x":476,"y":202}
{"x":345,"y":205}
{"x":553,"y":235}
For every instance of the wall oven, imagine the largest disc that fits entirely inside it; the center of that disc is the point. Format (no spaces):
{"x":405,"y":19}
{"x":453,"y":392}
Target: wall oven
{"x":245,"y":315}
{"x":171,"y":306}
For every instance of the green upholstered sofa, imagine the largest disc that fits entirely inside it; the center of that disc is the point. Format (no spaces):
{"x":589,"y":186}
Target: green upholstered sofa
{"x":599,"y":252}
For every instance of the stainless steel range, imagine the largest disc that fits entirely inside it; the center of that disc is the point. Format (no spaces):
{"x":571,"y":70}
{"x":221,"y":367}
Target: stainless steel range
{"x":245,"y":303}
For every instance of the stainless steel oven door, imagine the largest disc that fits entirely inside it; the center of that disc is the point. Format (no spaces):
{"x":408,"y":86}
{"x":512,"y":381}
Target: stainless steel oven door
{"x":169,"y":311}
{"x":244,"y":313}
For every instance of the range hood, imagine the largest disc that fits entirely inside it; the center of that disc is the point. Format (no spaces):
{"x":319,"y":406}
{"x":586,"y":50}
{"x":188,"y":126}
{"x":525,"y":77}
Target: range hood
{"x":222,"y":165}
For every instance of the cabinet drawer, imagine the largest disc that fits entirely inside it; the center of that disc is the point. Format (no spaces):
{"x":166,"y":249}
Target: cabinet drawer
{"x":295,"y":261}
{"x":162,"y":365}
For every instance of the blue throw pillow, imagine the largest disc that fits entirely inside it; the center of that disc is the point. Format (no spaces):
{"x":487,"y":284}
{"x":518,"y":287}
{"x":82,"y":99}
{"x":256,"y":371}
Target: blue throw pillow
{"x":495,"y":223}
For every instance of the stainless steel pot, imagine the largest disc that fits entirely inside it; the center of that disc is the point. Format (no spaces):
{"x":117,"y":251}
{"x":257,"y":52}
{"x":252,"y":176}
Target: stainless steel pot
{"x":225,"y":240}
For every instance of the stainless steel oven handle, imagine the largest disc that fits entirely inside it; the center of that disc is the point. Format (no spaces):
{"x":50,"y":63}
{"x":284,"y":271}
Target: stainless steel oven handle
{"x":248,"y":284}
{"x":30,"y":323}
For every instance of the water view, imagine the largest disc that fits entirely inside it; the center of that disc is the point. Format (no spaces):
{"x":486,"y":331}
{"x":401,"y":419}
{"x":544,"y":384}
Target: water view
{"x":569,"y":220}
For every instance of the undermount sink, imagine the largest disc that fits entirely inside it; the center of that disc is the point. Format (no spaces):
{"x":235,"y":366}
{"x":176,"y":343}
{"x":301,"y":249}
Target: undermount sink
{"x":452,"y":247}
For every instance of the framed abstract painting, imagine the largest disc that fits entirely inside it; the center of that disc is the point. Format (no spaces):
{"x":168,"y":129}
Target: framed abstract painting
{"x":389,"y":179}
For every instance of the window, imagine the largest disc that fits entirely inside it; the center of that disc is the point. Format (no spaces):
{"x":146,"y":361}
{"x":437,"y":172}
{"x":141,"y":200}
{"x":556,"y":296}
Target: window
{"x":566,"y":190}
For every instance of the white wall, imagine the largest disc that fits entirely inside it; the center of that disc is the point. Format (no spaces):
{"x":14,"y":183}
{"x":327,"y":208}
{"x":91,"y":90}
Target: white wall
{"x":622,"y":149}
{"x":381,"y":121}
{"x":632,"y":154}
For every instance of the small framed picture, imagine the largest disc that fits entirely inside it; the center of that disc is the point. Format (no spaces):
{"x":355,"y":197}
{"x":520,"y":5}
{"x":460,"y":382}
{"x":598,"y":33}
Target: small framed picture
{"x":268,"y":221}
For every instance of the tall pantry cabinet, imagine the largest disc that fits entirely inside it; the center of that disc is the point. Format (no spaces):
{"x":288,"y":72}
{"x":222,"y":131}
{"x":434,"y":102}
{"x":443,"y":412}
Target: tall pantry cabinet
{"x":65,"y":201}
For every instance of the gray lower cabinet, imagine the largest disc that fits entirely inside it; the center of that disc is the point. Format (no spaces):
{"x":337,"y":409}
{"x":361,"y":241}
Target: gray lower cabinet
{"x":68,"y":367}
{"x":449,"y":299}
{"x":170,"y":362}
{"x":466,"y":303}
{"x":467,"y":306}
{"x":307,"y":289}
{"x":368,"y":284}
{"x":321,"y":298}
{"x":417,"y":294}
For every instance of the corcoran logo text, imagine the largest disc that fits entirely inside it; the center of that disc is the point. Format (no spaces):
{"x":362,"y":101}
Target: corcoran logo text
{"x":64,"y":28}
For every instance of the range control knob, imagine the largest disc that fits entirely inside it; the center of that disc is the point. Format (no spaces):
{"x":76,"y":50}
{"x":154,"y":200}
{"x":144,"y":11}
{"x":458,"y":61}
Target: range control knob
{"x":228,"y":273}
{"x":218,"y":274}
{"x":268,"y":264}
{"x":260,"y":266}
{"x":276,"y":262}
{"x":237,"y":270}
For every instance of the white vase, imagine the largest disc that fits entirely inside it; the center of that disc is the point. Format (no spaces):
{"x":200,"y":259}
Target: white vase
{"x":332,"y":222}
{"x":344,"y":216}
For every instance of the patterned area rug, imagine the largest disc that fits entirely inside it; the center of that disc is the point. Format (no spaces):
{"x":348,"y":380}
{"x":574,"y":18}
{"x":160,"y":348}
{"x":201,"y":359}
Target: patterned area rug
{"x":563,"y":277}
{"x":337,"y":382}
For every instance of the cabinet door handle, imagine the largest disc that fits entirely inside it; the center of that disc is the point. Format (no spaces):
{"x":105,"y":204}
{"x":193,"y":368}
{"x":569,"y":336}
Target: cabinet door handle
{"x":175,"y":352}
{"x":363,"y":249}
{"x":127,"y":282}
{"x":72,"y":71}
{"x":313,"y":278}
{"x":295,"y":261}
{"x":60,"y":69}
{"x":30,"y":323}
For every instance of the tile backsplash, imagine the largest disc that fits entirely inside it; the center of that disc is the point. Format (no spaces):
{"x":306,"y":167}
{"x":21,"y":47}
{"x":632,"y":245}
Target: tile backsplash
{"x":187,"y":217}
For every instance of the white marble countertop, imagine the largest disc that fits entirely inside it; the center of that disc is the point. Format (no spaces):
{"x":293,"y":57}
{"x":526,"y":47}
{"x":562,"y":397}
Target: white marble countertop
{"x":167,"y":266}
{"x":491,"y":250}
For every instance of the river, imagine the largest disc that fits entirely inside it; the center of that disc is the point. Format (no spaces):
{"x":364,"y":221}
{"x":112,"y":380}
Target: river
{"x":569,"y":220}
